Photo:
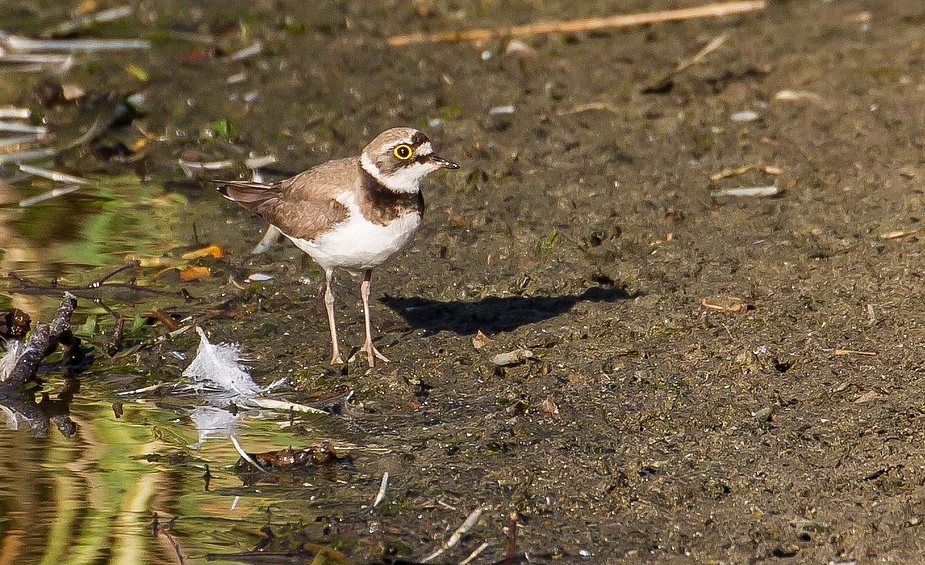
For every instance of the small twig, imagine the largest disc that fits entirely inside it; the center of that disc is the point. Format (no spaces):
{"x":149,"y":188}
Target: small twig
{"x":31,"y":155}
{"x":17,"y":113}
{"x":588,"y":106}
{"x":53,"y":193}
{"x":18,"y":127}
{"x":87,"y":20}
{"x":166,"y":319}
{"x":33,"y":61}
{"x":282,"y":406}
{"x":19,"y":140}
{"x":511,"y":539}
{"x":191,"y":167}
{"x":145,"y":389}
{"x":129,"y":265}
{"x":478,"y":551}
{"x":715,"y":10}
{"x":259,"y":161}
{"x":896,"y":234}
{"x":157,"y":528}
{"x":254,"y":49}
{"x":710,"y":47}
{"x":457,"y":535}
{"x":18,"y":43}
{"x":383,"y":486}
{"x":114,"y":345}
{"x":52,"y":175}
{"x":854,"y":352}
{"x":664,"y":83}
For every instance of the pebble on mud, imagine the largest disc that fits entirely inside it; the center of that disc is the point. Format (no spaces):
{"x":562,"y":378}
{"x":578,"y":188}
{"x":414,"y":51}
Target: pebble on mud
{"x":744,"y":116}
{"x":512,"y":357}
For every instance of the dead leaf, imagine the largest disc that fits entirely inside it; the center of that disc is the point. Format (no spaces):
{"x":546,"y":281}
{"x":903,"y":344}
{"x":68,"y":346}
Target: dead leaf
{"x":207,"y":251}
{"x":194,"y":273}
{"x":724,"y":303}
{"x":480,"y":340}
{"x":853,"y":352}
{"x":549,"y":408}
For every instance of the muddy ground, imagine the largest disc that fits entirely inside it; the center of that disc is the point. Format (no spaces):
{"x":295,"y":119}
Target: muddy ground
{"x":731,"y":379}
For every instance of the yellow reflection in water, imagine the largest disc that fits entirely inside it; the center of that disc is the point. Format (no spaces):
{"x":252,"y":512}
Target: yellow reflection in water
{"x":91,"y":499}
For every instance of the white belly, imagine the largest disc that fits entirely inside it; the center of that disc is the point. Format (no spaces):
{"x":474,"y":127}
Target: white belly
{"x":358,"y":243}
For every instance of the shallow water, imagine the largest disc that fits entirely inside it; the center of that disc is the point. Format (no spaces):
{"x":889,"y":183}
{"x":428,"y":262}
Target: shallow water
{"x":91,"y":499}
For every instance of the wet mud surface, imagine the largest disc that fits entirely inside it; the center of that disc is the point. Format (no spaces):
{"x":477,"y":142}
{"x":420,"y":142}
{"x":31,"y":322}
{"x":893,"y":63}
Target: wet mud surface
{"x":713,"y":379}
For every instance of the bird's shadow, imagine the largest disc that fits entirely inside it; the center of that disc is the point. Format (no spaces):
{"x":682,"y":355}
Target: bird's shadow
{"x":493,"y":314}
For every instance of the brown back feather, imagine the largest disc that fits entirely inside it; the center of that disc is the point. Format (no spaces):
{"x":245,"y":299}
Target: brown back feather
{"x":301,"y":206}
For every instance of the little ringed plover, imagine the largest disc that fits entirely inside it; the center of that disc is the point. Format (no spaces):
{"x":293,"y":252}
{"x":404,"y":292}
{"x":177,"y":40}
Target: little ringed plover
{"x":353,"y":213}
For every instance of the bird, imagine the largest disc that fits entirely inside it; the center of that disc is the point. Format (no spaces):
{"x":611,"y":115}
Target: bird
{"x":351,"y":213}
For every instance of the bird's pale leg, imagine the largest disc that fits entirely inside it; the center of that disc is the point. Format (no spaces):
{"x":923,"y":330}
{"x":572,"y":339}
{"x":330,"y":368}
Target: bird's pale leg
{"x":329,"y":306}
{"x":371,"y":352}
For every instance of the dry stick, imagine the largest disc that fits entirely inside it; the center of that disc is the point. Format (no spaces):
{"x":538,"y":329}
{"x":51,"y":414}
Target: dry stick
{"x":664,"y":82}
{"x":709,"y":10}
{"x":511,"y":539}
{"x":478,"y":551}
{"x":42,"y":339}
{"x":125,"y":266}
{"x":710,"y":47}
{"x":457,"y":535}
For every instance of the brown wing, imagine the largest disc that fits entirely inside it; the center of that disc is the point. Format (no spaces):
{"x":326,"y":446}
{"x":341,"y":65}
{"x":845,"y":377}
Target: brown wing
{"x":302,"y":206}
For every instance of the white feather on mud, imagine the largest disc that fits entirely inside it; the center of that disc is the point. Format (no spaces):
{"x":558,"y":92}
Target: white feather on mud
{"x":217,"y":369}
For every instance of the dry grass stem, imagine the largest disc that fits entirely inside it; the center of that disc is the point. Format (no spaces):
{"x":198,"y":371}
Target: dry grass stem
{"x":710,"y":47}
{"x":896,"y":234}
{"x":736,"y":171}
{"x":52,"y":175}
{"x":54,"y":193}
{"x":478,"y":551}
{"x":87,"y":20}
{"x":457,"y":535}
{"x":854,"y":352}
{"x":715,"y":10}
{"x":15,"y":113}
{"x":20,"y":44}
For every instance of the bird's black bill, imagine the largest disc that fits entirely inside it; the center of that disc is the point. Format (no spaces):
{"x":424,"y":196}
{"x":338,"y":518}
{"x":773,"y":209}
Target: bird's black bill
{"x":443,"y":163}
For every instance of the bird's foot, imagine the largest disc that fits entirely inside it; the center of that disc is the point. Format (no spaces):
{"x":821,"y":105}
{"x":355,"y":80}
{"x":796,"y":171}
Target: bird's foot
{"x":371,"y":354}
{"x":336,"y":359}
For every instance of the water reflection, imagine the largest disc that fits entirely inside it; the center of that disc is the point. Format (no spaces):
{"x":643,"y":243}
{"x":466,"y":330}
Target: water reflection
{"x":69,"y":239}
{"x":91,"y":499}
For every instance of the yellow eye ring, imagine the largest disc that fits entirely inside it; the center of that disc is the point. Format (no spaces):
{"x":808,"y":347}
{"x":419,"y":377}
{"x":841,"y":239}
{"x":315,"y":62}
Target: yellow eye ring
{"x":402,"y":151}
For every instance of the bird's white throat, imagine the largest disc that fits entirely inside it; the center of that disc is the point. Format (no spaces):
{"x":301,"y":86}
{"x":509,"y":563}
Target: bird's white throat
{"x":406,"y":180}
